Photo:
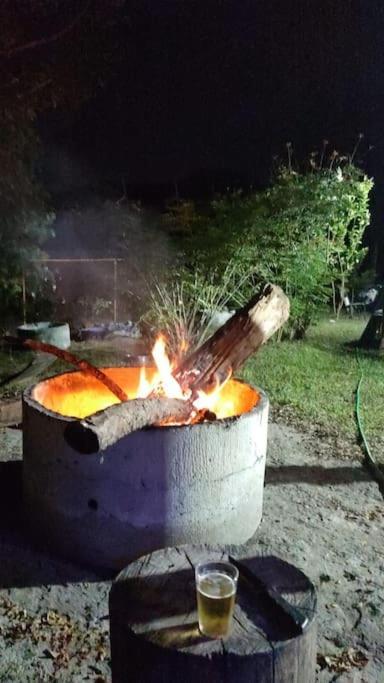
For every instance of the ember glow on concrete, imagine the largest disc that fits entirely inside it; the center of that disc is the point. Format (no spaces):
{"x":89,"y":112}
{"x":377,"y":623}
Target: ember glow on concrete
{"x":156,"y":487}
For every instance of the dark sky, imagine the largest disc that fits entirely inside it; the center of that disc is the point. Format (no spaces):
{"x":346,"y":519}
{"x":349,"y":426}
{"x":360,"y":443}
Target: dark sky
{"x":203,"y":87}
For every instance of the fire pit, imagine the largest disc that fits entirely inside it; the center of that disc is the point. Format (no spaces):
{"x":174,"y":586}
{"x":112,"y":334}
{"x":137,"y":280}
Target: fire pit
{"x":155,"y":487}
{"x":100,"y":488}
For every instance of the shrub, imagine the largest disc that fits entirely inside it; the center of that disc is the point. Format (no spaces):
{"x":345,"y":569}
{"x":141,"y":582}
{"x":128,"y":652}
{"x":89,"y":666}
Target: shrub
{"x":183,"y":307}
{"x":304,"y":233}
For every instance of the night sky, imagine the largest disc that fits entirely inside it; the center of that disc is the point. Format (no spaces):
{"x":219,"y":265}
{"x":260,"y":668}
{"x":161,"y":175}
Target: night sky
{"x":212,"y":90}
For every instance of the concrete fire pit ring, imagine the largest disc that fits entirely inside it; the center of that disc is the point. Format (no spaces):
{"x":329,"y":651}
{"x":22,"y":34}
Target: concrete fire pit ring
{"x":157,"y":487}
{"x":46,"y":332}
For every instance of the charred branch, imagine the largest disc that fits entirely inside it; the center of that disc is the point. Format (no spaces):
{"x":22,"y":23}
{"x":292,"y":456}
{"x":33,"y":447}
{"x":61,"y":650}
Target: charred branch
{"x":103,"y":429}
{"x":69,"y":358}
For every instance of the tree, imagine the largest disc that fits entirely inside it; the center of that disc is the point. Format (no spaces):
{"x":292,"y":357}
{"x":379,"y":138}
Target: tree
{"x":346,"y":198}
{"x":304,"y":233}
{"x":54,"y":53}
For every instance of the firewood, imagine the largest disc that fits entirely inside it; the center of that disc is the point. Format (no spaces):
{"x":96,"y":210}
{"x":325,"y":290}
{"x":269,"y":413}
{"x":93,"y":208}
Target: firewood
{"x":71,"y":359}
{"x":220,"y":355}
{"x":240,"y":337}
{"x":104,"y":428}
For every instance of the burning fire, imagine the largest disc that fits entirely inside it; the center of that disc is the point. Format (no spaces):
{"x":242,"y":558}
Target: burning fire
{"x":77,"y":394}
{"x":164,"y":383}
{"x":169,"y":386}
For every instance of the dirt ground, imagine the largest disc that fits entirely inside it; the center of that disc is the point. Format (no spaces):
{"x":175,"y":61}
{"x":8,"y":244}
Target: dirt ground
{"x":322,"y":512}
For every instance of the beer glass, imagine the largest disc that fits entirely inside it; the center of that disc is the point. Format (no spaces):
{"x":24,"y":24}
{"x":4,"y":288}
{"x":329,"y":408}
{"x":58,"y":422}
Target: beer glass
{"x":216,"y":584}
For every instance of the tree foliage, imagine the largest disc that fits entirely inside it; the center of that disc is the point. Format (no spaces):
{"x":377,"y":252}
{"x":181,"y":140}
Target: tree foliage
{"x":53,"y":54}
{"x":304,"y":233}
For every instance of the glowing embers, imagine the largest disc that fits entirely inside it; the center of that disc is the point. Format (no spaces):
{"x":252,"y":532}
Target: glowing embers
{"x":77,"y":394}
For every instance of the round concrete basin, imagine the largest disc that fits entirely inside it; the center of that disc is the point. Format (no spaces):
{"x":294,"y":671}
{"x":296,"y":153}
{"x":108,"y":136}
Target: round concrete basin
{"x":157,"y":487}
{"x":57,"y":334}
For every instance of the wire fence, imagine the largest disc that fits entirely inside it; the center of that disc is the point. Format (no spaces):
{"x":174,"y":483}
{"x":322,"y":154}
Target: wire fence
{"x":89,"y":289}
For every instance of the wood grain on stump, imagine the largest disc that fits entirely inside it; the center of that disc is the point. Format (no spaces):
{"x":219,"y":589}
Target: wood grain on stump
{"x":155,"y":636}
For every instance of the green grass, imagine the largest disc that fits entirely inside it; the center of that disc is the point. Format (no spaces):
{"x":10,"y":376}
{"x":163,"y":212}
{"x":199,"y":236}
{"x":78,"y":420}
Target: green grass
{"x":317,"y":377}
{"x":12,"y":362}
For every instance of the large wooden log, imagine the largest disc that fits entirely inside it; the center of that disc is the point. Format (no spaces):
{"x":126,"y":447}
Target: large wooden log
{"x":155,"y":636}
{"x":222,"y":354}
{"x":240,"y":337}
{"x":104,"y":428}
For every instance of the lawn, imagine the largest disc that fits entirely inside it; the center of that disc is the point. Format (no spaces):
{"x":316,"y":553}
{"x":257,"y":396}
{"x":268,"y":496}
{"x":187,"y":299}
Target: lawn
{"x":317,"y":377}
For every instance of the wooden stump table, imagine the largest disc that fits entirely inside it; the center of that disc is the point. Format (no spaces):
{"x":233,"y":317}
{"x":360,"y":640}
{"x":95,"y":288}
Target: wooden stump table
{"x":155,"y":636}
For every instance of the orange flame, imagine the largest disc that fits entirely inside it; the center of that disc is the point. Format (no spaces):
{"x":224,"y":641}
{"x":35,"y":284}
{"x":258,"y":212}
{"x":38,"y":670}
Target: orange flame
{"x":169,"y":385}
{"x":145,"y":386}
{"x":163,"y":383}
{"x":78,"y":395}
{"x":184,"y":346}
{"x":207,"y":400}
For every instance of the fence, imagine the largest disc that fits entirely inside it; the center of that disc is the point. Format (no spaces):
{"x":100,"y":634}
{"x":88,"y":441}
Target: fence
{"x":90,"y":278}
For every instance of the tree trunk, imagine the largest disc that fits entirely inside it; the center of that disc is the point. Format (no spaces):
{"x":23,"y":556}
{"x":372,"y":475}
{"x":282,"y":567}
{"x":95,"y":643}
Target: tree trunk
{"x":341,"y":297}
{"x":334,"y":298}
{"x":154,"y":630}
{"x":240,"y":337}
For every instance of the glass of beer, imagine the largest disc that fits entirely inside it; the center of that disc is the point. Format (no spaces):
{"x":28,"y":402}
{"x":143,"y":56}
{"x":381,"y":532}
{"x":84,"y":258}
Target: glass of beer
{"x":216,"y":584}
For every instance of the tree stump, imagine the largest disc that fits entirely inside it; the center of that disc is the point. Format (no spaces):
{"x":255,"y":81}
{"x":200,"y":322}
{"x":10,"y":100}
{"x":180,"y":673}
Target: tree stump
{"x":373,"y":334}
{"x":155,"y":636}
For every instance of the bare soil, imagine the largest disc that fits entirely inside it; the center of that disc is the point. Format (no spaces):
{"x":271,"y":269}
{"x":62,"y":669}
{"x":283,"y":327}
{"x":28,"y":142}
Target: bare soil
{"x":322,"y":511}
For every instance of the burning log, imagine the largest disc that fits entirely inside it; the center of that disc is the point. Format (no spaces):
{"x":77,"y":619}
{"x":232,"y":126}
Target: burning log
{"x":209,"y":365}
{"x":69,"y":358}
{"x":103,"y":429}
{"x":231,"y":345}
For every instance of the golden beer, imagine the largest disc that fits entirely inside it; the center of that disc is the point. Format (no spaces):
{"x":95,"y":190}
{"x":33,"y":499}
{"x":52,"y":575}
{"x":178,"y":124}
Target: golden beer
{"x":216,"y":590}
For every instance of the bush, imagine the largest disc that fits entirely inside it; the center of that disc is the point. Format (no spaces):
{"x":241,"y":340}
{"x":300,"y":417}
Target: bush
{"x":184,"y":306}
{"x":303,"y":233}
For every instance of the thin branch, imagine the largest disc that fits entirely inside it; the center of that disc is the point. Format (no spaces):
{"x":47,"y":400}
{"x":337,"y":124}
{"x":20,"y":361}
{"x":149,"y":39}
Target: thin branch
{"x":359,"y":139}
{"x":50,"y":39}
{"x":40,"y":86}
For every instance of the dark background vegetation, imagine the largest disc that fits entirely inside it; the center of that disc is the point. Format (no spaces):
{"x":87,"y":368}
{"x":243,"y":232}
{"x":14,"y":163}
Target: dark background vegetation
{"x":205,"y":94}
{"x":129,"y":100}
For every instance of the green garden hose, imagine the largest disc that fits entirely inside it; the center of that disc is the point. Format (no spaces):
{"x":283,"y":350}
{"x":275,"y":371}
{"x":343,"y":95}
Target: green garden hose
{"x":369,"y":459}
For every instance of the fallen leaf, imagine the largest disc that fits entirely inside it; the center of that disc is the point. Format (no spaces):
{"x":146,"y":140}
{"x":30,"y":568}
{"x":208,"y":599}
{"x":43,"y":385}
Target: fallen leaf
{"x":343,"y":662}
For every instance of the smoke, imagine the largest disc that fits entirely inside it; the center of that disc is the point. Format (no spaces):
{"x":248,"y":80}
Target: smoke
{"x":91,"y":288}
